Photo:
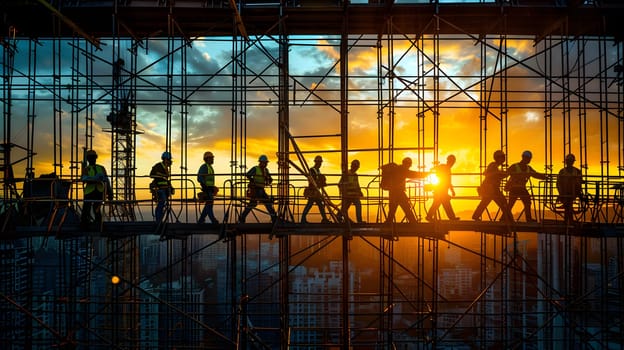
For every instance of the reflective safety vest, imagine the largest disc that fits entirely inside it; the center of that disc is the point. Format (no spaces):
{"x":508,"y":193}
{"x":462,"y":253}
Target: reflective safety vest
{"x":259,"y":178}
{"x":517,"y":176}
{"x":351,"y":186}
{"x":92,"y":171}
{"x":160,"y":174}
{"x":206,"y":178}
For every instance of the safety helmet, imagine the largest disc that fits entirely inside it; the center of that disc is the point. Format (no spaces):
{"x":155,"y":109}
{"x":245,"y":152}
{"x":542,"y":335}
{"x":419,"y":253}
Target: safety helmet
{"x":263,"y":158}
{"x":527,"y":154}
{"x":208,"y":155}
{"x":166,"y":155}
{"x":571,"y":157}
{"x":318,"y":159}
{"x":91,"y":153}
{"x":499,"y":154}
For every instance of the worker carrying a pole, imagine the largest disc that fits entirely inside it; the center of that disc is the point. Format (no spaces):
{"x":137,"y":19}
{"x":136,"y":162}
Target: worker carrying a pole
{"x":313,"y":191}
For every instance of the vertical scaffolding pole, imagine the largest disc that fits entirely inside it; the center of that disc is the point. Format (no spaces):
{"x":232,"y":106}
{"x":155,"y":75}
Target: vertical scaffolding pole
{"x":31,"y":108}
{"x":284,"y":211}
{"x":8,"y":206}
{"x":237,"y":247}
{"x":57,"y":72}
{"x":386,"y":264}
{"x":344,"y":152}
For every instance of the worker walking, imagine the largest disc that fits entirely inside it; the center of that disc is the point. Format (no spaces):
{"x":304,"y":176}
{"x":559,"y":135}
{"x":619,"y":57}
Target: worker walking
{"x":441,"y":190}
{"x":569,"y":185}
{"x":259,"y":177}
{"x":519,"y":174}
{"x":313,"y":191}
{"x":206,"y":179}
{"x":490,"y":189}
{"x":396,"y":188}
{"x":96,"y":185}
{"x":161,"y":184}
{"x":351,"y":192}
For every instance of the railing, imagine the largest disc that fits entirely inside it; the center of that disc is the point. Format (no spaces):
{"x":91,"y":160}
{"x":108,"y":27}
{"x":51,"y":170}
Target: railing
{"x":52,"y":201}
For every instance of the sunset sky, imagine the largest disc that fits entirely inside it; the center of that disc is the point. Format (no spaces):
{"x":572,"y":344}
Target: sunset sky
{"x":314,"y":66}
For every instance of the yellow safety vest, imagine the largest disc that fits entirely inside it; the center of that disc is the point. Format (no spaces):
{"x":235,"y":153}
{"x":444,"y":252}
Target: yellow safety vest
{"x":93,"y":170}
{"x":259,"y":179}
{"x":208,"y":177}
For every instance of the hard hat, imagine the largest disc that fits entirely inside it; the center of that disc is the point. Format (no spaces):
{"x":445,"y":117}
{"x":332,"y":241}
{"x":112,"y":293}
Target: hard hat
{"x":318,"y":159}
{"x":570,"y":157}
{"x":208,"y":155}
{"x":91,"y":153}
{"x":527,"y":154}
{"x":166,"y":155}
{"x":499,"y":154}
{"x":263,"y":158}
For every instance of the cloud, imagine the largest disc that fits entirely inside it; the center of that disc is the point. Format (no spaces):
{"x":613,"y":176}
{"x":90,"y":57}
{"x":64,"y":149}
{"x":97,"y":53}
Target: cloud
{"x":214,"y":105}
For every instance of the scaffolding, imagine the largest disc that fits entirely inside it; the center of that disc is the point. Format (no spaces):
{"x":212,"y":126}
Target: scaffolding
{"x":422,"y":88}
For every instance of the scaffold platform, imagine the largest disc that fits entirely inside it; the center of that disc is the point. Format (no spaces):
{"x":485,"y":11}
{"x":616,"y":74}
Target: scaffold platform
{"x":434,"y":230}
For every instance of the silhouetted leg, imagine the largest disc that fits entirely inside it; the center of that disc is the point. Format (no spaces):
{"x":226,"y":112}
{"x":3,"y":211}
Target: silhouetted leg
{"x":449,"y":209}
{"x":526,"y":201}
{"x":204,"y":213}
{"x":97,"y":210}
{"x":85,"y":217}
{"x":407,"y":208}
{"x":321,"y":206}
{"x":502,"y":204}
{"x":512,"y":200}
{"x":432,"y":213}
{"x":252,"y":204}
{"x":344,"y":209}
{"x":568,"y":214}
{"x":162,"y":201}
{"x":306,"y":210}
{"x":358,"y":209}
{"x":392,"y":206}
{"x":270,"y":210}
{"x":481,"y":207}
{"x":208,"y":210}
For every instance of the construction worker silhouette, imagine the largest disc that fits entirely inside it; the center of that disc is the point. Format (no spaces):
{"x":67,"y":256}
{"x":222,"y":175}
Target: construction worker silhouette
{"x":313,"y":191}
{"x":569,"y":185}
{"x":351,"y":192}
{"x":259,"y":177}
{"x":206,"y":179}
{"x":519,"y":174}
{"x":441,"y":190}
{"x":96,"y":184}
{"x":397,"y":196}
{"x":161,"y":184}
{"x":490,"y":189}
